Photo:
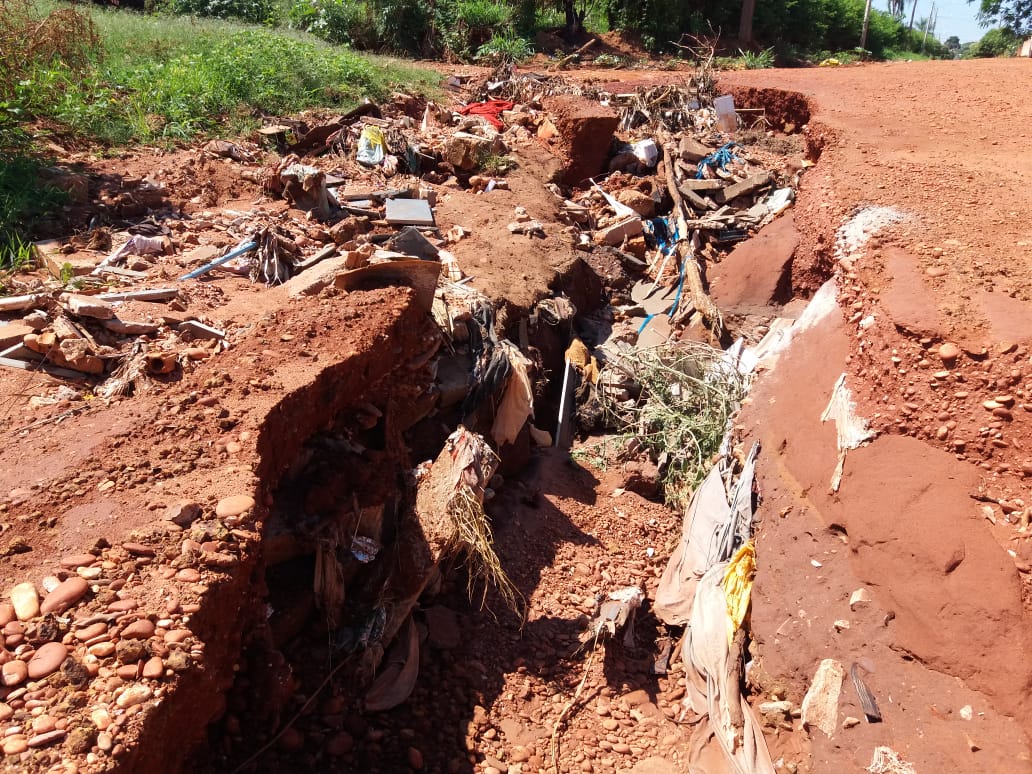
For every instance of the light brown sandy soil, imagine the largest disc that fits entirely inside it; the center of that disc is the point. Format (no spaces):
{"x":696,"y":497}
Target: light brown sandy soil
{"x":948,"y":625}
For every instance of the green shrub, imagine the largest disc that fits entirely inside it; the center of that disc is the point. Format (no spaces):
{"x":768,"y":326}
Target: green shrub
{"x":463,"y":26}
{"x":997,"y":42}
{"x":505,"y":49}
{"x":254,"y":11}
{"x":337,"y":21}
{"x":482,"y":15}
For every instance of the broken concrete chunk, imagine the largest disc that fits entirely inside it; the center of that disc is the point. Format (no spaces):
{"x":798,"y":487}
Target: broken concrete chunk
{"x":130,"y":327}
{"x":820,"y":705}
{"x":410,"y":212}
{"x":615,"y":234}
{"x":465,"y":151}
{"x":410,"y":241}
{"x":201,"y":255}
{"x":641,"y":203}
{"x":76,"y":354}
{"x":13,"y":333}
{"x":87,"y":306}
{"x":694,"y":184}
{"x":318,"y":278}
{"x":200,"y":331}
{"x":691,"y":150}
{"x":750,"y":185}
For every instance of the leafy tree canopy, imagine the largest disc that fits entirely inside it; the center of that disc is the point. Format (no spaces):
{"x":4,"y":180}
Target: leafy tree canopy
{"x":1015,"y":15}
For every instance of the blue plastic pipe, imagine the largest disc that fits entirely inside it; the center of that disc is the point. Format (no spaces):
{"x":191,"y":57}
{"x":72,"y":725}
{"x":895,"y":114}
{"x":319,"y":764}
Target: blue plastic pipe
{"x":219,"y":261}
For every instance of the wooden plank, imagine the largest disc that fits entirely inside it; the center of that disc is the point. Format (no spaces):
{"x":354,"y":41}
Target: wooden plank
{"x":686,"y":252}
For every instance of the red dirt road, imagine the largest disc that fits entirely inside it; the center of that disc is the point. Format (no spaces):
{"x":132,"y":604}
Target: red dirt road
{"x":946,"y":144}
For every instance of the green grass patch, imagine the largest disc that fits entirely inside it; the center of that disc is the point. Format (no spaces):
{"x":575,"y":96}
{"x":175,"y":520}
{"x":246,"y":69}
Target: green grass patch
{"x":172,"y":78}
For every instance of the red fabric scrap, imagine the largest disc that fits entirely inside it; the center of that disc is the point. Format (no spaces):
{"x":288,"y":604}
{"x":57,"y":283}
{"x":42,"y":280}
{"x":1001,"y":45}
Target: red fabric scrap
{"x":489,"y":110}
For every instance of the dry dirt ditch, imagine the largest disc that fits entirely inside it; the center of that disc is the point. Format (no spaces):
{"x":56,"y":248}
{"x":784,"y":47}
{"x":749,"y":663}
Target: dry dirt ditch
{"x":245,"y":567}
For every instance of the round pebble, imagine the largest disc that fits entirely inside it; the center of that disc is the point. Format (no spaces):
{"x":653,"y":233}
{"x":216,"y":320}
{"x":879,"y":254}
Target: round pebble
{"x":65,"y":595}
{"x":47,"y":659}
{"x":14,"y":672}
{"x":138,"y":630}
{"x":229,"y":507}
{"x":154,"y":668}
{"x":949,"y":352}
{"x":102,"y":649}
{"x":415,"y":758}
{"x":15,"y":745}
{"x":188,"y":575}
{"x":340,"y":743}
{"x":78,"y":560}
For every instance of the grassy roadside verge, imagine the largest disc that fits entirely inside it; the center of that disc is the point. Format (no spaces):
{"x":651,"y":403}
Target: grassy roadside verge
{"x":124,"y":78}
{"x":157,"y":78}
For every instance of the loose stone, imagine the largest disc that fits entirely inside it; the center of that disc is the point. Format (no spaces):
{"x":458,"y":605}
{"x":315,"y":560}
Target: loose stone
{"x":25,"y":601}
{"x":47,"y":659}
{"x":65,"y":595}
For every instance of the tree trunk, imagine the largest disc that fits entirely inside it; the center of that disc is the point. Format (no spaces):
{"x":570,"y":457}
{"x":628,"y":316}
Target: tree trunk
{"x":745,"y":22}
{"x":571,"y":17}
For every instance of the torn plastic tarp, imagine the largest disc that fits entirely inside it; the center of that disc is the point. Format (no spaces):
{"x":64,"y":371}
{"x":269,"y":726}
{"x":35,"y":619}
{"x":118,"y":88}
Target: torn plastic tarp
{"x":712,"y":687}
{"x":703,"y":590}
{"x":852,"y":430}
{"x":517,"y":404}
{"x":489,"y":110}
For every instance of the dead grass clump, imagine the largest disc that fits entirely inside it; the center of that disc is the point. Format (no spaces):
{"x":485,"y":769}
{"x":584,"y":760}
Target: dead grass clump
{"x":63,"y":37}
{"x":688,"y":394}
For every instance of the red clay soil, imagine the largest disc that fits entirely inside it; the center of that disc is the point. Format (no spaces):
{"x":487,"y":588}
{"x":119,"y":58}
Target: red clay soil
{"x":945,"y":632}
{"x":944,"y":142}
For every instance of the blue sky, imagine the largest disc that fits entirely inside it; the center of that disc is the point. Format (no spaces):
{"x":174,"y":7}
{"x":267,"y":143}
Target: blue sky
{"x":956,"y":17}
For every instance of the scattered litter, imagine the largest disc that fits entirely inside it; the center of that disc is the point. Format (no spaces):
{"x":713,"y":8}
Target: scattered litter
{"x":885,"y":760}
{"x":489,"y":111}
{"x":371,"y":145}
{"x":852,"y":430}
{"x":867,"y":701}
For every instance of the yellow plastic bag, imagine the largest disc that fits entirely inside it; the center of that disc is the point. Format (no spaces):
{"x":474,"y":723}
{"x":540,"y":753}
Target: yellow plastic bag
{"x":738,"y":580}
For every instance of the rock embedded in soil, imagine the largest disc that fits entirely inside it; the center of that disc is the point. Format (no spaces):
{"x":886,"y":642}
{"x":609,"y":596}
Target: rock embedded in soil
{"x":133,"y":695}
{"x":67,"y":594}
{"x":14,"y":672}
{"x":820,"y":705}
{"x":231,"y":507}
{"x":949,"y":353}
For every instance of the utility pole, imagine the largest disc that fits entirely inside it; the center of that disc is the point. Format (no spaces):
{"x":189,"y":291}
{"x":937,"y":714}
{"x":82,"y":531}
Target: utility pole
{"x":928,"y":23}
{"x":913,"y":10}
{"x":867,"y":20}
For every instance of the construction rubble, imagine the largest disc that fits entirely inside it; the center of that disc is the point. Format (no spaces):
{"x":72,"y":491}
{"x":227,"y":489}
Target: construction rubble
{"x":648,"y":181}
